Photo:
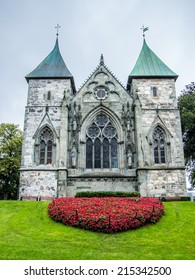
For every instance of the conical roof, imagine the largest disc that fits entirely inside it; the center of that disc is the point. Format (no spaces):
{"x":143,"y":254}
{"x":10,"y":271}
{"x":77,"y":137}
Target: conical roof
{"x":53,"y":66}
{"x":149,"y":65}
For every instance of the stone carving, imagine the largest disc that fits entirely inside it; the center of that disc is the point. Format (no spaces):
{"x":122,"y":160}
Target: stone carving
{"x":129,"y":158}
{"x":74,"y":117}
{"x":73,"y":157}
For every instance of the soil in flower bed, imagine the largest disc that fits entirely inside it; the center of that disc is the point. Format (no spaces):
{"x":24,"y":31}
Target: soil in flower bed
{"x":106,"y":214}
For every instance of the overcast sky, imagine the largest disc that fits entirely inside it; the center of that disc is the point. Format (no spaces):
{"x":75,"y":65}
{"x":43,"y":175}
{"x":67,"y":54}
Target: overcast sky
{"x":89,"y":28}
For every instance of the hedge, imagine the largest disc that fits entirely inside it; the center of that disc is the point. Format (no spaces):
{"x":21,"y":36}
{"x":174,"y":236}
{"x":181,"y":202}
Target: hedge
{"x":106,"y":194}
{"x":176,"y":198}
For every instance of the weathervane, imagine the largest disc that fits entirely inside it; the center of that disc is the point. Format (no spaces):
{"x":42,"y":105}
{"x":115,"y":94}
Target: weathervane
{"x":144,"y":30}
{"x":57,"y":27}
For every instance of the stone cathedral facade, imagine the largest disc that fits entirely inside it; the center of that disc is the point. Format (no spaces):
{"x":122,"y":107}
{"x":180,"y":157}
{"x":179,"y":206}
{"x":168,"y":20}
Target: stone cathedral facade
{"x":103,"y":137}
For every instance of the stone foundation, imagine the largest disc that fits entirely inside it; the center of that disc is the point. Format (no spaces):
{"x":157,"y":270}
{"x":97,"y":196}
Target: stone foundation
{"x":38,"y":184}
{"x":159,"y":183}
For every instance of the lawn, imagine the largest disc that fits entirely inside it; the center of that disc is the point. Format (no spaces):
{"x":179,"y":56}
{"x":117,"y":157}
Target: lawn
{"x":26,"y":232}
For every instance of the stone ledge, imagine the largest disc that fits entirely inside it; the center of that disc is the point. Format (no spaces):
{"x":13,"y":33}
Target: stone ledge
{"x":39,"y":169}
{"x":166,"y":168}
{"x":101,"y":179}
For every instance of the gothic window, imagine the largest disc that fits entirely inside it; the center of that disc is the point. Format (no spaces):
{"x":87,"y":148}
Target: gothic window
{"x":159,"y":145}
{"x":46,"y":146}
{"x":101,"y":143}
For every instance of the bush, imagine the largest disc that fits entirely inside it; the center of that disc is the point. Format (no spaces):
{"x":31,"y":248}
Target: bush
{"x":176,"y":198}
{"x":106,"y":214}
{"x":107,"y":194}
{"x":185,"y":198}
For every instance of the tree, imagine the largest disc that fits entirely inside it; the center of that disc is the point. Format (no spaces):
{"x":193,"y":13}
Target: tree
{"x":186,"y":104}
{"x":10,"y":158}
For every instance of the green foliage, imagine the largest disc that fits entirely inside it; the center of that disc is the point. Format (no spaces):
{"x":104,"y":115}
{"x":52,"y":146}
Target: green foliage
{"x":29,"y":234}
{"x":185,"y":198}
{"x":10,"y":158}
{"x":186,"y":104}
{"x":106,"y":193}
{"x":176,"y":198}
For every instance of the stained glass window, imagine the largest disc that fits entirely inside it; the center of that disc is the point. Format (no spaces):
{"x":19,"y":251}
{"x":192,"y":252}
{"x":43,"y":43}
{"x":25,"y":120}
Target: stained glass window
{"x":101,"y":119}
{"x":89,"y":153}
{"x":49,"y":152}
{"x":101,"y":143}
{"x":97,"y":153}
{"x":101,"y":94}
{"x":42,"y":152}
{"x":93,"y":131}
{"x":159,"y":145}
{"x":106,"y":145}
{"x":114,"y":156}
{"x":46,"y":145}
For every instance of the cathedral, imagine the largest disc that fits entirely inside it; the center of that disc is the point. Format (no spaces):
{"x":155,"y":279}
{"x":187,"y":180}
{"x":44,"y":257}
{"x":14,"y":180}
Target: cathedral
{"x":104,"y":136}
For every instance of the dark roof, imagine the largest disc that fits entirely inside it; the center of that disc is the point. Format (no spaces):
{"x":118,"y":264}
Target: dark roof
{"x":149,"y":65}
{"x":53,"y":66}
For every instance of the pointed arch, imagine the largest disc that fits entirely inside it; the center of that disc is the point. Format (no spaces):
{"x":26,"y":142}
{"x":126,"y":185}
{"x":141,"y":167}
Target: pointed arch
{"x":45,"y":146}
{"x":45,"y":122}
{"x":102,"y":137}
{"x":159,"y":145}
{"x":113,"y":117}
{"x":158,"y":121}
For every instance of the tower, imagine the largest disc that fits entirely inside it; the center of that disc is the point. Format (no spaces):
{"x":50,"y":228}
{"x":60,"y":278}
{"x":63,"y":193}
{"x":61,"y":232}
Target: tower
{"x":44,"y":149}
{"x":161,"y":170}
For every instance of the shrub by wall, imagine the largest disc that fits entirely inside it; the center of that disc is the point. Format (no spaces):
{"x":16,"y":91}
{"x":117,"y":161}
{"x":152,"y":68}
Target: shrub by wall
{"x":176,"y":198}
{"x":107,"y":194}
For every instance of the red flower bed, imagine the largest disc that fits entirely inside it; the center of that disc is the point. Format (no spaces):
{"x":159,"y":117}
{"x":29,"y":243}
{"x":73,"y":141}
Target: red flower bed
{"x":107,"y":214}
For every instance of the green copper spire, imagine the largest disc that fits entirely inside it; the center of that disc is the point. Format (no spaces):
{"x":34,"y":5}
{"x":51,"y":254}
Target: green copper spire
{"x":53,"y":66}
{"x":149,"y":65}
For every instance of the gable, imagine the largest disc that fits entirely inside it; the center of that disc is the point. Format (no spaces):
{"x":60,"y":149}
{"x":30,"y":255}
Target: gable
{"x":102,"y":79}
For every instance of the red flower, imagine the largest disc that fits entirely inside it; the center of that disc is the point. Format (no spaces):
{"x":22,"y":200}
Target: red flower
{"x":107,"y":214}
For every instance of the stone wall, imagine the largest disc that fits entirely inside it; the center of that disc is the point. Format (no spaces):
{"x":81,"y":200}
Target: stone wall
{"x":75,"y":185}
{"x":158,"y":183}
{"x":40,"y":111}
{"x":38,"y":183}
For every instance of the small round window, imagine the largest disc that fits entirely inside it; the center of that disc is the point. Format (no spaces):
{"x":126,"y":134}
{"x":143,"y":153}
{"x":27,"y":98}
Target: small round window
{"x":101,"y":93}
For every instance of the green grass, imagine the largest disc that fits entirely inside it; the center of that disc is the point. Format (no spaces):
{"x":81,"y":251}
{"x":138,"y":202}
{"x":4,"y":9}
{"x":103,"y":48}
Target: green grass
{"x":26,"y":232}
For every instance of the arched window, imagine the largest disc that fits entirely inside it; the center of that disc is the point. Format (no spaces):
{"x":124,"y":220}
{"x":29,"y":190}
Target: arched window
{"x":101,"y":143}
{"x":159,"y":145}
{"x":46,"y":146}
